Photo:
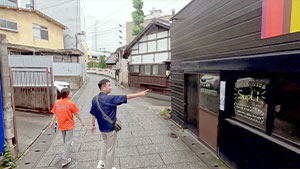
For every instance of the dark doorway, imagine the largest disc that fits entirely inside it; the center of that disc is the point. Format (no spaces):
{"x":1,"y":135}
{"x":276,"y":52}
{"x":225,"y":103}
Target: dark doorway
{"x":192,"y":103}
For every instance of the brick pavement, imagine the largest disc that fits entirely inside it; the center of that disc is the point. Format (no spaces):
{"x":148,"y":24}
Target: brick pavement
{"x":143,"y":141}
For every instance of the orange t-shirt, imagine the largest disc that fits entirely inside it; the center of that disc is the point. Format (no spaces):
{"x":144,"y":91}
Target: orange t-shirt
{"x":64,"y":110}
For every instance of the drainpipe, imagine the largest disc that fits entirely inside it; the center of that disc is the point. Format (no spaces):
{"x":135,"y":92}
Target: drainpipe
{"x":8,"y":113}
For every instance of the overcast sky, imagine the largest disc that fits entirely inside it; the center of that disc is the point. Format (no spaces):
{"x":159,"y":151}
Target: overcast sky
{"x":110,"y":13}
{"x":120,"y":10}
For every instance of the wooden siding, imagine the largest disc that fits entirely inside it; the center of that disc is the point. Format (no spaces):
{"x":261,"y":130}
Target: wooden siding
{"x":223,"y":28}
{"x":178,"y":96}
{"x":211,"y":29}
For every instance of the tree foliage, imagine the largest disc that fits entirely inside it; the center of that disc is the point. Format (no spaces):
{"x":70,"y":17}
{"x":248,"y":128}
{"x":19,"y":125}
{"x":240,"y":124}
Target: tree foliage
{"x":137,"y":16}
{"x":92,"y":63}
{"x":102,"y":62}
{"x":136,"y":30}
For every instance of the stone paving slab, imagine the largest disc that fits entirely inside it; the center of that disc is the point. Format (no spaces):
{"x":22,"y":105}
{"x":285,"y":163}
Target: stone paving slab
{"x":190,"y":165}
{"x":126,"y":151}
{"x":154,"y":148}
{"x":179,"y":146}
{"x":90,"y":146}
{"x":130,"y":129}
{"x":141,"y":161}
{"x":86,"y":156}
{"x":127,"y":142}
{"x":46,"y":161}
{"x":89,"y":138}
{"x":163,"y":139}
{"x":122,"y":134}
{"x":146,"y":133}
{"x":58,"y":149}
{"x":179,"y":157}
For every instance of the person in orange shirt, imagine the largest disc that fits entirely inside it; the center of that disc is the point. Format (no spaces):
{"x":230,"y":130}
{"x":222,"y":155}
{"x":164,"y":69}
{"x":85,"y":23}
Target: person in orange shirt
{"x":64,"y":110}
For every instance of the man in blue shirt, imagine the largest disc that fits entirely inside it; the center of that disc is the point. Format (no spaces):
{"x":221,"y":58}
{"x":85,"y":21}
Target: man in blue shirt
{"x":109,"y":104}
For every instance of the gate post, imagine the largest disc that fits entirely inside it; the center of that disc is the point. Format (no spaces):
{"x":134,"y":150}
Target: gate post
{"x":8,"y":113}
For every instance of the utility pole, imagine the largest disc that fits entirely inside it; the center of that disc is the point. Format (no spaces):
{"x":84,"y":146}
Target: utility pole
{"x":8,"y":111}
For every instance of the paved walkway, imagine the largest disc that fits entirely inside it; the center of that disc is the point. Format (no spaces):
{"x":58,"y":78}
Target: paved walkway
{"x":143,"y":141}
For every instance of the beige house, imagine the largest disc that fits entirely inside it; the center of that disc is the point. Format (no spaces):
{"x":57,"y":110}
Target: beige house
{"x":31,"y":28}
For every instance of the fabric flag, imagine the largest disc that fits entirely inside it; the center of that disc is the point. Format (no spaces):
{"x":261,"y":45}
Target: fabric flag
{"x":280,"y":17}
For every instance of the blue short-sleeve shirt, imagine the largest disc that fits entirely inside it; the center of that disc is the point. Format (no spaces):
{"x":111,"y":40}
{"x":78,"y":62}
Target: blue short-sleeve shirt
{"x":109,"y":105}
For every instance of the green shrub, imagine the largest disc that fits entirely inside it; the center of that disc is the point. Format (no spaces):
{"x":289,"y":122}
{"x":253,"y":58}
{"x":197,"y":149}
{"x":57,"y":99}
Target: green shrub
{"x":8,"y":160}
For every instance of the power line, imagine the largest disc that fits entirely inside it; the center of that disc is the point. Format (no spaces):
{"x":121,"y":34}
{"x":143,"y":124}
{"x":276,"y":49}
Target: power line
{"x":101,"y":35}
{"x":107,"y":30}
{"x":120,"y":9}
{"x":103,"y":30}
{"x":168,"y":4}
{"x":51,"y":6}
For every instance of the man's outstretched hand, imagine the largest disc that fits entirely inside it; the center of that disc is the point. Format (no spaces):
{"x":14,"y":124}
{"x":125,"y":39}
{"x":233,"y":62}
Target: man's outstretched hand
{"x":144,"y":93}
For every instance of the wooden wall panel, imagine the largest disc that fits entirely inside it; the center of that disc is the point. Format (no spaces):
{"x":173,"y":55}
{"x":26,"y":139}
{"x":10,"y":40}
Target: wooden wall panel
{"x":220,"y":29}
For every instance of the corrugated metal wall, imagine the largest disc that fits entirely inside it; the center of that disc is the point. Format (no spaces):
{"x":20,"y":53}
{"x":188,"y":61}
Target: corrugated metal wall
{"x":30,"y":61}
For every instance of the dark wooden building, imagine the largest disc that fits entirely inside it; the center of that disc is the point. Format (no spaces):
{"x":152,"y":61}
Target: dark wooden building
{"x":237,"y":89}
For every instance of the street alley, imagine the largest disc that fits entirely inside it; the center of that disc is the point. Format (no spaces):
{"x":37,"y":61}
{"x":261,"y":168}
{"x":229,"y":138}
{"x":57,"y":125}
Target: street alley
{"x":143,"y":141}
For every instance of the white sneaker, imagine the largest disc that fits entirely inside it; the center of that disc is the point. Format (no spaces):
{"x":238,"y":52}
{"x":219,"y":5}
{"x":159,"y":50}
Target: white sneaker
{"x":100,"y":164}
{"x":114,"y":168}
{"x":66,"y":162}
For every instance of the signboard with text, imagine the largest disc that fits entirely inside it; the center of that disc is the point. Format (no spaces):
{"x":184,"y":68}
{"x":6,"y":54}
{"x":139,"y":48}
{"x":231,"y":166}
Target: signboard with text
{"x":250,"y":101}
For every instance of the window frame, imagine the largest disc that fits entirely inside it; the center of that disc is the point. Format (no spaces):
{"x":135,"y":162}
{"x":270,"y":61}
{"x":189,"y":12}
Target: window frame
{"x":150,"y":71}
{"x":40,"y":28}
{"x":9,"y":29}
{"x":273,"y":112}
{"x":158,"y":66}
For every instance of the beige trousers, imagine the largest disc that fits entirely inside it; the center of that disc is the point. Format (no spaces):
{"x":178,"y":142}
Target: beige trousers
{"x":107,"y":150}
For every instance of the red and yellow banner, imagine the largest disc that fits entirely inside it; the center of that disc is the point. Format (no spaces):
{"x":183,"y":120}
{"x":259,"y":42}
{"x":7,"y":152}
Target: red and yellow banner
{"x":280,"y":17}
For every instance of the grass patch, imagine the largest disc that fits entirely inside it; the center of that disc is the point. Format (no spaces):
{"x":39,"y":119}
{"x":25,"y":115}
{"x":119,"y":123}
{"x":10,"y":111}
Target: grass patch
{"x":164,"y":112}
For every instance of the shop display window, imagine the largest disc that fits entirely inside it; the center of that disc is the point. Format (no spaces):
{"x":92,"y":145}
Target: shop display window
{"x":286,"y":122}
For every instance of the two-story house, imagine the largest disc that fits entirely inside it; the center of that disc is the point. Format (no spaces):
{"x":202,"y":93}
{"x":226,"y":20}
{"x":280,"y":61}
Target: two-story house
{"x":31,"y":28}
{"x":149,"y":58}
{"x":31,"y":32}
